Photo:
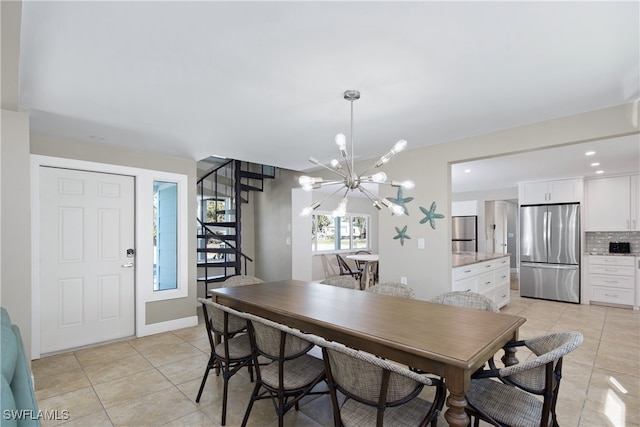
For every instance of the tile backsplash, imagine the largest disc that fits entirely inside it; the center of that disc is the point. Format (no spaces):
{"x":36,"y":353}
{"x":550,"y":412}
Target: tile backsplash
{"x":599,"y":241}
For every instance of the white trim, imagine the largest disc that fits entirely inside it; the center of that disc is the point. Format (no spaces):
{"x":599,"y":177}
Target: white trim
{"x":144,"y":231}
{"x":169,"y":325}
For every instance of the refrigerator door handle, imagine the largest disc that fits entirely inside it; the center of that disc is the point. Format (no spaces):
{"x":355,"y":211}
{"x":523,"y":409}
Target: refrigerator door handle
{"x":550,"y":266}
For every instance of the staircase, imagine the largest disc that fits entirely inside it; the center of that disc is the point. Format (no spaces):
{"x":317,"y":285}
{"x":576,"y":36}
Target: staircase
{"x":222,"y":190}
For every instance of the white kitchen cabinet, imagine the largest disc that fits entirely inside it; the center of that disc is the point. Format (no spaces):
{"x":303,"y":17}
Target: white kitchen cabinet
{"x":489,"y":278}
{"x":613,"y":203}
{"x":464,"y":208}
{"x":611,"y":279}
{"x":545,"y":192}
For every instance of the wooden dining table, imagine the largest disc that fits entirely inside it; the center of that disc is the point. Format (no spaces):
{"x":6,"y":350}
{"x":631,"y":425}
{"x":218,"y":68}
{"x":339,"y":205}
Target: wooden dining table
{"x":444,"y":340}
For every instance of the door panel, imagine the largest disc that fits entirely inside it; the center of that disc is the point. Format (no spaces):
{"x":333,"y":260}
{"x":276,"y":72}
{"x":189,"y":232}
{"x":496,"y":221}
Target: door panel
{"x":533,"y":234}
{"x":86,"y":226}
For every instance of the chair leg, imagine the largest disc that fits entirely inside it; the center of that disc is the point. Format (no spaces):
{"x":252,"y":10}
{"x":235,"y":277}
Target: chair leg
{"x":225,"y":388}
{"x":210,"y":365}
{"x":254,"y":395}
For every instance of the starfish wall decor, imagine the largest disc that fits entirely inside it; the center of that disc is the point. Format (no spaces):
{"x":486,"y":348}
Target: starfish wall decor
{"x":402,"y":234}
{"x":430,"y":215}
{"x":400,"y":201}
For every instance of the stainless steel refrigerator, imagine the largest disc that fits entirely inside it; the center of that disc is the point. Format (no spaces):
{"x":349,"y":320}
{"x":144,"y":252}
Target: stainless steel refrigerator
{"x":550,"y":252}
{"x":464,"y":233}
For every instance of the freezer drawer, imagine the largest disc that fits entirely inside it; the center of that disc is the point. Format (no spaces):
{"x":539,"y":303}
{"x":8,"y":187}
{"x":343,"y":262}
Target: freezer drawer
{"x":552,"y":282}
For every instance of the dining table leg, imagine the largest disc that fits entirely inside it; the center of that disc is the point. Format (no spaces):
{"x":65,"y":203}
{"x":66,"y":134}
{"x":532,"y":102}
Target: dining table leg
{"x":457,"y":383}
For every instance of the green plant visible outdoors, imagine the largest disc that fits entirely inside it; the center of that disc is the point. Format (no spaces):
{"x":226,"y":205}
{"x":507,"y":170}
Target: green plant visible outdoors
{"x":215,"y":210}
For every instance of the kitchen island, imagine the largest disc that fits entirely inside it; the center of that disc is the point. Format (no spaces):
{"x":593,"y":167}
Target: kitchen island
{"x":484,"y":273}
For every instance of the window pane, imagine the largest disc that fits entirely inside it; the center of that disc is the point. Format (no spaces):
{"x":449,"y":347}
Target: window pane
{"x":359,"y":232}
{"x":326,"y":233}
{"x":165,"y":235}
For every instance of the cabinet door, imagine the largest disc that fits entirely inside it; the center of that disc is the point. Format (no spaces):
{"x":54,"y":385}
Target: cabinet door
{"x":609,"y":204}
{"x":565,"y":191}
{"x":533,"y":193}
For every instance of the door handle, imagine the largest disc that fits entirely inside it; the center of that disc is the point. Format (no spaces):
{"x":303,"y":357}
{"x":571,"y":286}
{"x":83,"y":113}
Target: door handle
{"x":128,"y":265}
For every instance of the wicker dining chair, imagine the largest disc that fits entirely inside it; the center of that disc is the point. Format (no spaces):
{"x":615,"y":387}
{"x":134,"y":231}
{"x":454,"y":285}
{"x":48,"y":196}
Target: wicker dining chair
{"x":230,"y":348}
{"x":241,"y":280}
{"x":342,"y":282}
{"x":467,"y":299}
{"x":393,"y":289}
{"x":527,"y":392}
{"x":291,"y":372}
{"x":378,"y":392}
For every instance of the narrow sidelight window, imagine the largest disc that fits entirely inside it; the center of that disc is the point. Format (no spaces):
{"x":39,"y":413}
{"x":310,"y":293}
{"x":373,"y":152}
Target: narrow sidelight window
{"x":165,"y":235}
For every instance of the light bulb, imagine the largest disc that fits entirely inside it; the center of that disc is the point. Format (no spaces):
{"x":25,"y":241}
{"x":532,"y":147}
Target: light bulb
{"x":306,"y":211}
{"x":341,"y":140}
{"x":307,"y":187}
{"x":336,"y":164}
{"x":305,"y":180}
{"x":379,"y":177}
{"x":408,"y":184}
{"x":397,"y":209}
{"x":400,"y":145}
{"x":341,"y":210}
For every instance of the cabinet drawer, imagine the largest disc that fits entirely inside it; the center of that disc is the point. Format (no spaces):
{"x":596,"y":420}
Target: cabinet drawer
{"x":611,"y":281}
{"x":485,"y":283}
{"x":465,"y":284}
{"x":611,"y":295}
{"x":612,"y":270}
{"x":501,"y":296}
{"x":466,"y":271}
{"x":502,"y":276}
{"x":611,"y":261}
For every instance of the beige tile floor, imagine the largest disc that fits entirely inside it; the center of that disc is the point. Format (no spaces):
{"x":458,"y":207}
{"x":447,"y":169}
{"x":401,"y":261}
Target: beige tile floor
{"x":154,"y":380}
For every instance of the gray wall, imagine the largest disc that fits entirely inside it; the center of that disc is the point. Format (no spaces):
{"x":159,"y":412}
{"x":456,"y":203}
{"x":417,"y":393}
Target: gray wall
{"x":15,"y":229}
{"x":273,"y":226}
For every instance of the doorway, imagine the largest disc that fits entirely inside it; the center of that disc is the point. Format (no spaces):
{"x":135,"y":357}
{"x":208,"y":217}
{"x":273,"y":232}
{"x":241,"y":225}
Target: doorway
{"x":86,"y":263}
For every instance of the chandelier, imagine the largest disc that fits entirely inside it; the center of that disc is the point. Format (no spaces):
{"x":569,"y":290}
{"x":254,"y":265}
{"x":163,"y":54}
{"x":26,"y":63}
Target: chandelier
{"x":350,"y":180}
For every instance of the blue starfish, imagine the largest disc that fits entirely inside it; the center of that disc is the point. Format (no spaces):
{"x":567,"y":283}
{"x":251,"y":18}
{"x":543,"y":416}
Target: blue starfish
{"x":402,"y":234}
{"x":400,"y":201}
{"x":431,"y":215}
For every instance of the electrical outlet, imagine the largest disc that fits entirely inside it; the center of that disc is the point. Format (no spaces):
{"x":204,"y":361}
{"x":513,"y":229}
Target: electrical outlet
{"x":403,"y":280}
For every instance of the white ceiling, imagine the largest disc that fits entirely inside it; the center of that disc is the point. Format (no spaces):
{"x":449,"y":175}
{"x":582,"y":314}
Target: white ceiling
{"x":263,"y":81}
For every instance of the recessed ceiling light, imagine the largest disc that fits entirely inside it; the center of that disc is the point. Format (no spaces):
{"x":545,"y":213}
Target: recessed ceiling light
{"x":599,"y":172}
{"x":595,"y":164}
{"x":467,"y":170}
{"x":589,"y":153}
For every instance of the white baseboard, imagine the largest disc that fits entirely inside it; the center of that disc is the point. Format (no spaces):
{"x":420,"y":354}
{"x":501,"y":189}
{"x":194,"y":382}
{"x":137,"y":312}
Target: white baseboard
{"x":170,"y":325}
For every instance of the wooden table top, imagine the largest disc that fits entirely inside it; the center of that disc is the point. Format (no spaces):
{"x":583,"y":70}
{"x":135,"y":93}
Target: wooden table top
{"x":418,"y":333}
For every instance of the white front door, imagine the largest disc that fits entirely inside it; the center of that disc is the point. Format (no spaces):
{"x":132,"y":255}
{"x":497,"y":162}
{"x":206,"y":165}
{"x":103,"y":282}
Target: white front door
{"x":86,"y":278}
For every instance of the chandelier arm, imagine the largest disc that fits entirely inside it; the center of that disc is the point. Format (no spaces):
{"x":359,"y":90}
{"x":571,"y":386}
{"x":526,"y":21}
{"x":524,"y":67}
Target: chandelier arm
{"x":328,"y":197}
{"x":332,"y":170}
{"x":323,"y":183}
{"x":369,"y":194}
{"x":362,"y":190}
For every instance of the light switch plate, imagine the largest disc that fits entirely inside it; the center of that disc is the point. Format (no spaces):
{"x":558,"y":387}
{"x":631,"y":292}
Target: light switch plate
{"x":420,"y":243}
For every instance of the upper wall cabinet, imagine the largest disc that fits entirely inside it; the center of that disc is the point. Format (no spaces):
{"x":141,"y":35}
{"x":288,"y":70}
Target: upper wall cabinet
{"x":547,"y":192}
{"x":613,"y":203}
{"x":464,"y":208}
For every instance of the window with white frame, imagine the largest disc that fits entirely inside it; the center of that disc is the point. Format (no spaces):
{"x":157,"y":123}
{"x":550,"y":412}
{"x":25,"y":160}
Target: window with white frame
{"x":350,"y":232}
